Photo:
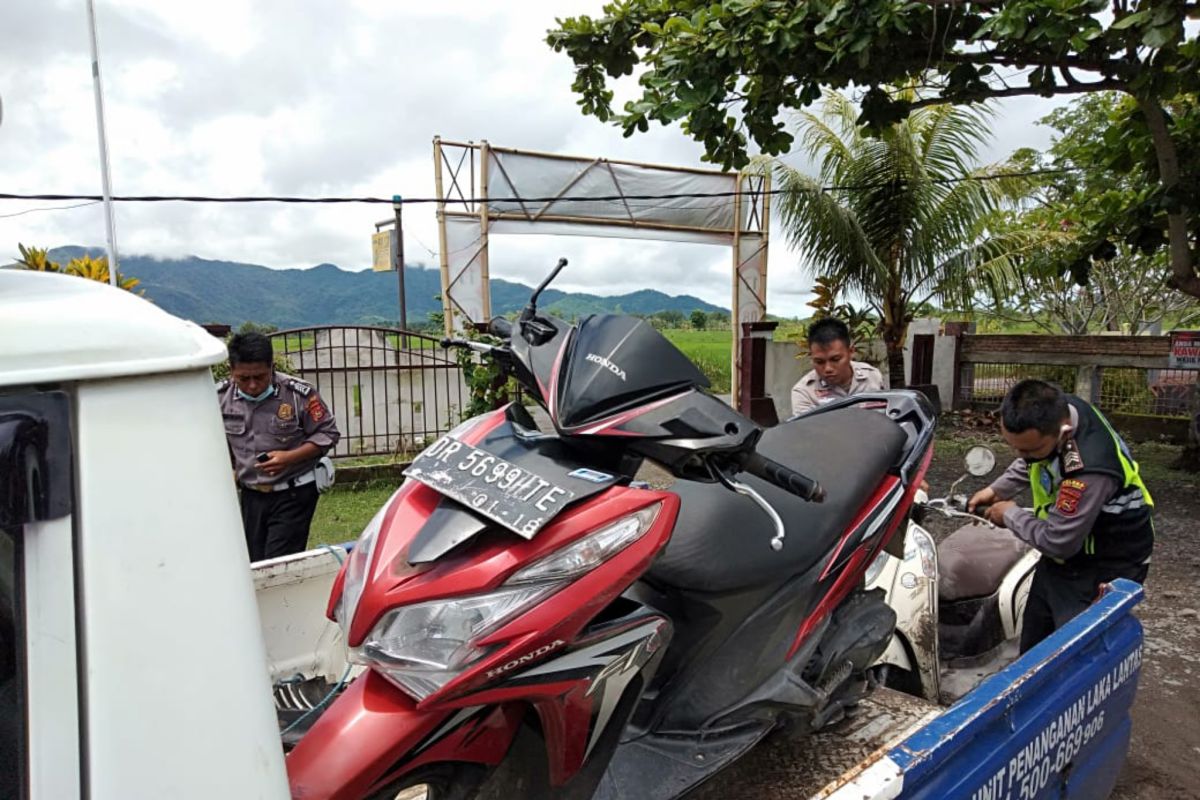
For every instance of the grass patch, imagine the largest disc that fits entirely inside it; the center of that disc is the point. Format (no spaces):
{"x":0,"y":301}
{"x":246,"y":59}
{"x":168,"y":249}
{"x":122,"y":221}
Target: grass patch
{"x":1154,"y":458}
{"x":376,"y":460}
{"x":344,"y":511}
{"x":1154,"y":461}
{"x":708,"y":350}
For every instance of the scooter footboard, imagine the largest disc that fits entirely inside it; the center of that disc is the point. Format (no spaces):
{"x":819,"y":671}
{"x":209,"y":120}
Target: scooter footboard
{"x":373,"y":734}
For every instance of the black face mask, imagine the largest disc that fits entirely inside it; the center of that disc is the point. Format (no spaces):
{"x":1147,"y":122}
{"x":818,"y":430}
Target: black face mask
{"x":1057,"y":452}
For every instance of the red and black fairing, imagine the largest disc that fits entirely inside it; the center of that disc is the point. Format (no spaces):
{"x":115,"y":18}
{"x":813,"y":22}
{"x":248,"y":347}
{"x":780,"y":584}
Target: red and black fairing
{"x":696,"y":633}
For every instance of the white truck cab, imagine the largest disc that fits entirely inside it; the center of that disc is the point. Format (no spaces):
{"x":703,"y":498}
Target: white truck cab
{"x":132,"y":662}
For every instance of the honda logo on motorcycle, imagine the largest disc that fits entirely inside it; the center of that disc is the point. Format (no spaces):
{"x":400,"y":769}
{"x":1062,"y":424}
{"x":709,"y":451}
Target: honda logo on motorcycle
{"x":608,"y":365}
{"x":525,"y":659}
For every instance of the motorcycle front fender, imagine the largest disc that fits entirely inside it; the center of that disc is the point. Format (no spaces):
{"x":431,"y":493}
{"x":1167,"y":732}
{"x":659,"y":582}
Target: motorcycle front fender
{"x":373,"y":732}
{"x":910,"y":585}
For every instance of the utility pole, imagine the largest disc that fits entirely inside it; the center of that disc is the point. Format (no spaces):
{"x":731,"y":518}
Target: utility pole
{"x":104,"y":177}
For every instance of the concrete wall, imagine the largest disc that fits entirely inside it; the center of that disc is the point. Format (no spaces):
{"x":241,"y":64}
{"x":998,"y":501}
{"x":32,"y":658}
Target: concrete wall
{"x":943,"y":357}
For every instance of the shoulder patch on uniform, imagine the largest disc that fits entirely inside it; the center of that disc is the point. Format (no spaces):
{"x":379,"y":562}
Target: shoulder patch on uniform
{"x":316,"y":409}
{"x":1072,"y":459}
{"x":1070,"y":492}
{"x":300,"y":387}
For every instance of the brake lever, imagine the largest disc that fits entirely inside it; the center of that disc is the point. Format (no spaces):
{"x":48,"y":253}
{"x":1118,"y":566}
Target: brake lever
{"x":747,"y":491}
{"x":468,"y":344}
{"x":942,"y":507}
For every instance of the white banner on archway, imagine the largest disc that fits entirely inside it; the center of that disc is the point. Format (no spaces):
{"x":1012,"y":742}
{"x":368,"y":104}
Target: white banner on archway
{"x":484,"y":190}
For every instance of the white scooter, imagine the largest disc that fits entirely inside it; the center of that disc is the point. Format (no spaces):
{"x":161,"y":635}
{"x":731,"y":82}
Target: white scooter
{"x":959,"y":603}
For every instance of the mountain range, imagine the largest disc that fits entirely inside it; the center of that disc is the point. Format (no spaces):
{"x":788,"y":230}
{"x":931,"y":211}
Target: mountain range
{"x":228,"y":292}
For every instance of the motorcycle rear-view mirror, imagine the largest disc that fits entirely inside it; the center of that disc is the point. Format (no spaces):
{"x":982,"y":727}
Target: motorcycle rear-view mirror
{"x":531,"y":307}
{"x":980,"y":461}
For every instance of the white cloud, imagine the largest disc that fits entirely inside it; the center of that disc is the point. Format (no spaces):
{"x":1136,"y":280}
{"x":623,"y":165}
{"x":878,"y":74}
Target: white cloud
{"x":333,"y":98}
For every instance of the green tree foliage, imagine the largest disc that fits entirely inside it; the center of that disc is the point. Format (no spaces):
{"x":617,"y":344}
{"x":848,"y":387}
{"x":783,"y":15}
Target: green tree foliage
{"x":726,"y":69}
{"x":1106,"y":270}
{"x":914,"y":228}
{"x":699,"y":320}
{"x":668,"y":319}
{"x":827,"y":302}
{"x":257,"y":327}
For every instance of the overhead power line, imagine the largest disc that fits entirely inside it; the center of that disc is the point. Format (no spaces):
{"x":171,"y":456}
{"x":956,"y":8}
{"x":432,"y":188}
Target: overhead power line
{"x":615,"y":198}
{"x":48,"y":208}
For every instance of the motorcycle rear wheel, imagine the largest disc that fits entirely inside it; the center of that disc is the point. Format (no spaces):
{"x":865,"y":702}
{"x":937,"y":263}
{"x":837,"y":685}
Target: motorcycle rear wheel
{"x":435,"y":782}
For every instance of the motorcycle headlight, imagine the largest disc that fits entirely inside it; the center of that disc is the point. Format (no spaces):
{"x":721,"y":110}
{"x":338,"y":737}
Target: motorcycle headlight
{"x":876,"y":567}
{"x":422,"y":647}
{"x":590,"y":551}
{"x":357,"y":564}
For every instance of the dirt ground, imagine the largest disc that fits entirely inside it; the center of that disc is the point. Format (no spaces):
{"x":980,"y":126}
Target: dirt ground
{"x":1166,"y":715}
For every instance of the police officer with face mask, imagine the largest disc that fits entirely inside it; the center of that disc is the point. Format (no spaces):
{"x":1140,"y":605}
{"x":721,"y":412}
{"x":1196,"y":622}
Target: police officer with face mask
{"x":279,"y":431}
{"x":1091,"y":516}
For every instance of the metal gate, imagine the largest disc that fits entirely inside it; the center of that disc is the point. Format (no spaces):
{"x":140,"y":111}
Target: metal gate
{"x":391,"y":391}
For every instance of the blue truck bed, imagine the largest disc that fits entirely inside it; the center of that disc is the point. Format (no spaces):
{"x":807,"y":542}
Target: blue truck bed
{"x":1054,"y":723}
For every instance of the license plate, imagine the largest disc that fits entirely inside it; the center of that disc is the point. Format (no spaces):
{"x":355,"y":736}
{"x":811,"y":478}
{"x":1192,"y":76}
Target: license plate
{"x":512,"y":496}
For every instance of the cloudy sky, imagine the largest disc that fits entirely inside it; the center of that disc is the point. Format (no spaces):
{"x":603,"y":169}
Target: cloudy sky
{"x":320,"y":97}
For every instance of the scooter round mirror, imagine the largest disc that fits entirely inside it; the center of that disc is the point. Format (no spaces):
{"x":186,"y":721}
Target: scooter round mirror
{"x":980,"y":461}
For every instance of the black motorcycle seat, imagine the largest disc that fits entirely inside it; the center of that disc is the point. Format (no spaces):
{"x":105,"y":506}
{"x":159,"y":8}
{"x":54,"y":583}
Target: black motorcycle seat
{"x":721,"y":540}
{"x":973,"y":561}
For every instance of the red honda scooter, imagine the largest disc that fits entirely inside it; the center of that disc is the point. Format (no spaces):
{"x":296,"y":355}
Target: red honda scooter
{"x":537,"y":624}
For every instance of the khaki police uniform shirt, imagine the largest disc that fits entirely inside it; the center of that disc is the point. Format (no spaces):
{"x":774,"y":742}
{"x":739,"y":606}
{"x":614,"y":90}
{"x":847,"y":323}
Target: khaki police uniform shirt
{"x":812,"y":391}
{"x":292,"y":416}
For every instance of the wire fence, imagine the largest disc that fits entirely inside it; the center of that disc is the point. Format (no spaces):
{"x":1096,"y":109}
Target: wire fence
{"x":1119,"y":390}
{"x":1149,"y":392}
{"x":982,"y":385}
{"x":391,"y":391}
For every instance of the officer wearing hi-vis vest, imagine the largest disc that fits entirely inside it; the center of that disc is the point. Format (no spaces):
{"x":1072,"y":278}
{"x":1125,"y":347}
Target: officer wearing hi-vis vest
{"x":1091,"y":515}
{"x":279,"y":431}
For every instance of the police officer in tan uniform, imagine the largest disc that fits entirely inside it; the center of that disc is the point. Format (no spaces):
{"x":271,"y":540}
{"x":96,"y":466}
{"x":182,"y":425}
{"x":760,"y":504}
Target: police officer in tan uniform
{"x":835,"y":374}
{"x":278,"y":430}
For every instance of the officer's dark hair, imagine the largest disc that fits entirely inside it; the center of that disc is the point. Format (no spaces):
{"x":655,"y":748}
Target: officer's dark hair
{"x":827,"y":331}
{"x":1034,"y":404}
{"x":250,"y":348}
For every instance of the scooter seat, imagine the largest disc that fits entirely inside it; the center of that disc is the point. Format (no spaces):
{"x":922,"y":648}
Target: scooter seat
{"x":722,"y":540}
{"x":973,"y":561}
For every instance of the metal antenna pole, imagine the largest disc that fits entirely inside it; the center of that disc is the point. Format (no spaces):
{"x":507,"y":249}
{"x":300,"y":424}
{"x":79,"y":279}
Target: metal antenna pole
{"x":104,"y":178}
{"x":398,"y":205}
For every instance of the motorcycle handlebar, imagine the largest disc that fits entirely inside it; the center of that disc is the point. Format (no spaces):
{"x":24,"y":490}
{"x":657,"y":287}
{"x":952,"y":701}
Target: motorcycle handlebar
{"x":787,"y":479}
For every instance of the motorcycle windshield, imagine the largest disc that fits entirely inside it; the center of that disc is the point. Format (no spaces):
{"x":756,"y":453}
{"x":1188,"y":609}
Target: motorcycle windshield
{"x":619,"y":362}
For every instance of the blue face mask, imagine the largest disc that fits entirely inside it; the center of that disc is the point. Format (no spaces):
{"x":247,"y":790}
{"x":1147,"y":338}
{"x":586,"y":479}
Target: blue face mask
{"x":270,"y":390}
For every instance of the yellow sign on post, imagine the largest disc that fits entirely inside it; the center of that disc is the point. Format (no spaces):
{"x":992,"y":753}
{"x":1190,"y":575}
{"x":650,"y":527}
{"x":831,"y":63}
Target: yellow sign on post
{"x":383,"y":251}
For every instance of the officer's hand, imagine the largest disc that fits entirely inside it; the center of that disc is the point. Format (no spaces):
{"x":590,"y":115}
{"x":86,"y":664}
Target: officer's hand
{"x":995,"y":513}
{"x":279,"y":461}
{"x":984,"y":497}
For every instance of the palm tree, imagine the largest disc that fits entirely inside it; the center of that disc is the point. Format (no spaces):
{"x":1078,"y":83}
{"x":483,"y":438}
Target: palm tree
{"x":900,"y":217}
{"x":96,"y":269}
{"x":37,"y":259}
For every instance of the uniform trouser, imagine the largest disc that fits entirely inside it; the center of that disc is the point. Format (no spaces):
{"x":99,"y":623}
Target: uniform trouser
{"x":1059,"y":593}
{"x":276,"y":523}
